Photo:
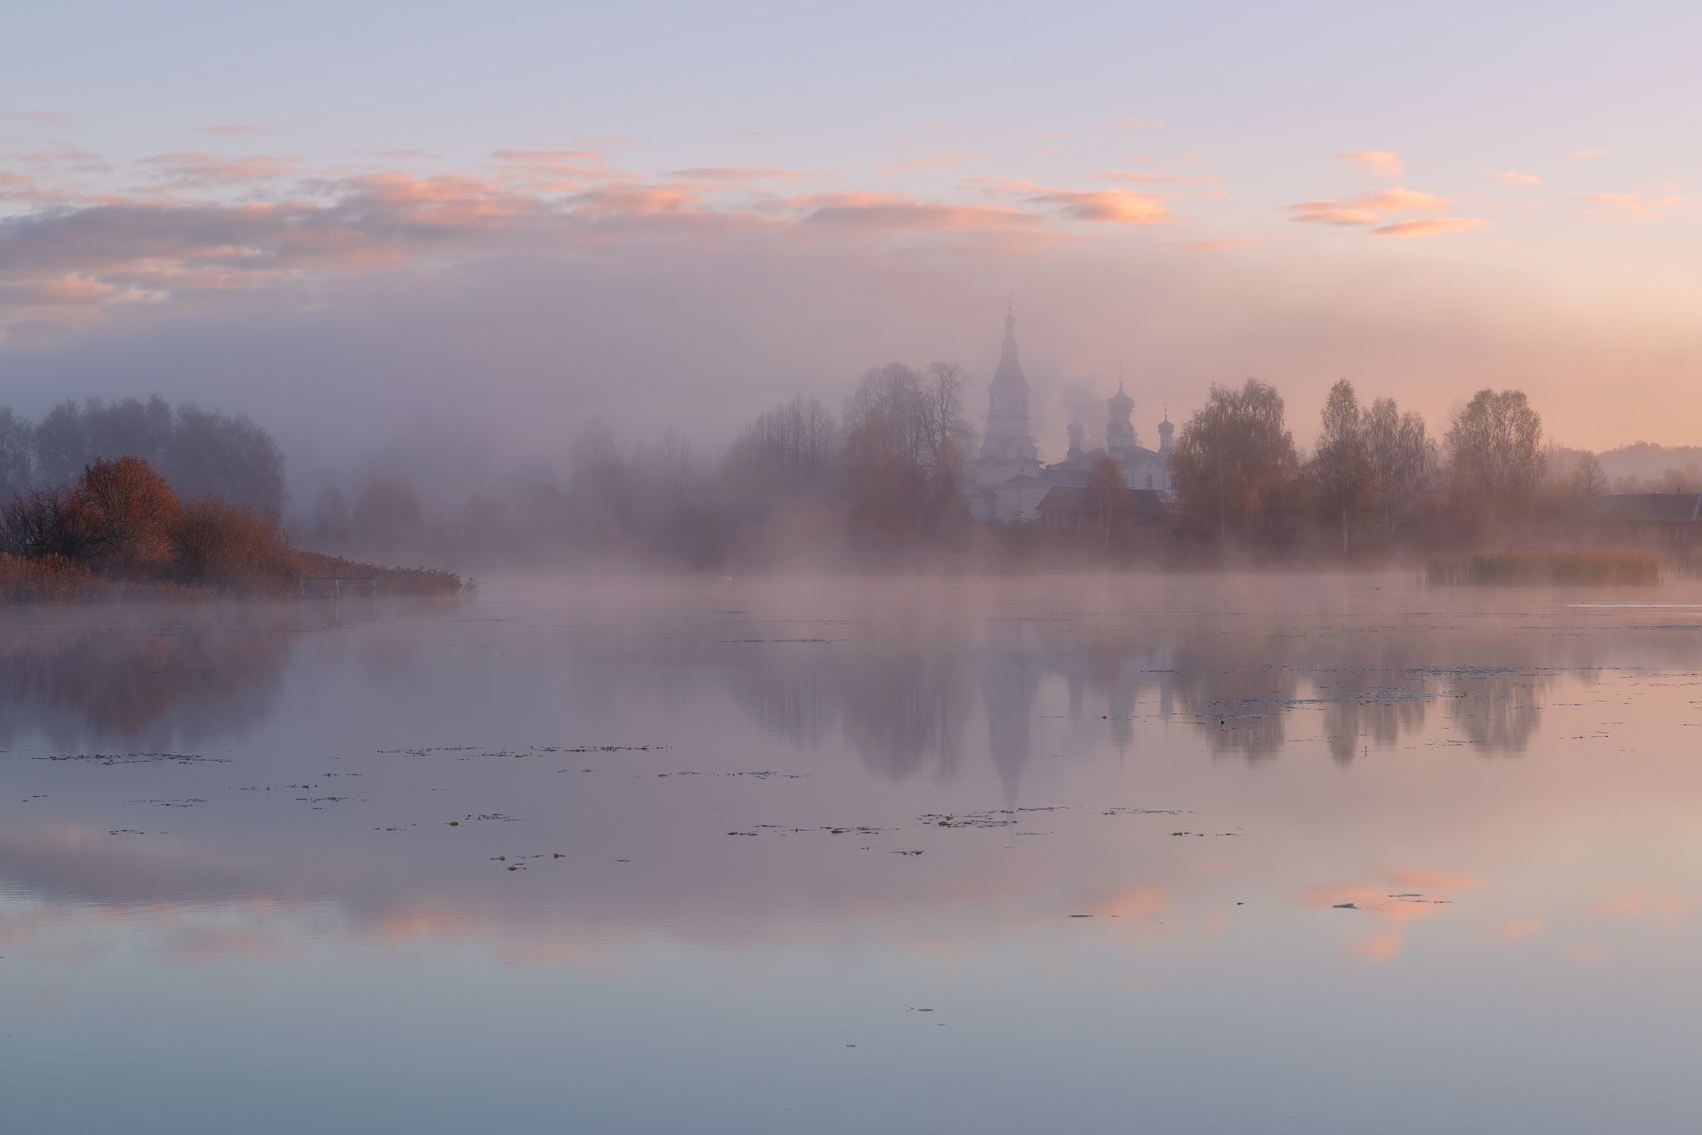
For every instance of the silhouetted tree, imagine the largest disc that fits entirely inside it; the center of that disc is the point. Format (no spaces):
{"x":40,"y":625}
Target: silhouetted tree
{"x":1235,"y":459}
{"x":1495,"y":457}
{"x":1589,"y":480}
{"x":387,"y":513}
{"x":15,"y":446}
{"x":49,"y":521}
{"x":224,"y":454}
{"x":1339,"y":463}
{"x":330,"y":521}
{"x":1106,"y":486}
{"x":1402,"y":459}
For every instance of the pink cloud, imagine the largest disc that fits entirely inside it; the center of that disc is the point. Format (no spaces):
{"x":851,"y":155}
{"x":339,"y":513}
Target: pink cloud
{"x":891,"y":211}
{"x":68,"y":158}
{"x":1430,"y":226}
{"x":447,"y":200}
{"x":1635,"y":206}
{"x":1149,"y":178}
{"x":1382,"y":162}
{"x":188,"y":168}
{"x":233,"y":130}
{"x":934,"y":161}
{"x":1372,"y":209}
{"x":1115,"y":206}
{"x":632,"y":200}
{"x":1515,"y":929}
{"x":550,"y":171}
{"x":1514,"y":177}
{"x":739,"y":175}
{"x":49,"y":117}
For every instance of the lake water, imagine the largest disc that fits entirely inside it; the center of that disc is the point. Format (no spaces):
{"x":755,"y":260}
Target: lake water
{"x":848,"y":855}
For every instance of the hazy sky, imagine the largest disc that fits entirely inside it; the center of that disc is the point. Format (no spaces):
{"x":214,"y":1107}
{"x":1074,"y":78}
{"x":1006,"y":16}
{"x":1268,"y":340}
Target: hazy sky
{"x":348,"y":217}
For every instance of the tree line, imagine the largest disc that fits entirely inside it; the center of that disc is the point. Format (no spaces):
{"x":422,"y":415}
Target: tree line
{"x":1376,"y":477}
{"x":196,"y":451}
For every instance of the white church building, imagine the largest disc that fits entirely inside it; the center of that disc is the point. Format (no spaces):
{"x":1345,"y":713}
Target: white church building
{"x":1009,"y":481}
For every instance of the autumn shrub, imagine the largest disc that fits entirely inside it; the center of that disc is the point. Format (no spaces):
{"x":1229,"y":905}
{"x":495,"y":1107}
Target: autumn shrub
{"x":214,"y":541}
{"x":46,"y":522}
{"x":41,"y":579}
{"x":130,"y":511}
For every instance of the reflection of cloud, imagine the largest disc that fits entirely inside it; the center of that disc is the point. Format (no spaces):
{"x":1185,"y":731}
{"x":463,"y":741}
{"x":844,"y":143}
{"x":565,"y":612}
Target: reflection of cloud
{"x":1652,"y":903}
{"x":1418,"y":894}
{"x":1517,"y":928}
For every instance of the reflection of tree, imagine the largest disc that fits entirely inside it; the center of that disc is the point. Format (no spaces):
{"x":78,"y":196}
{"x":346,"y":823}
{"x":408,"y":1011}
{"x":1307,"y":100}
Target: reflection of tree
{"x":902,"y":709}
{"x":157,"y":687}
{"x":1498,"y":713}
{"x":1010,"y":677}
{"x":1240,"y":685}
{"x":1373,"y":706}
{"x":899,"y":708}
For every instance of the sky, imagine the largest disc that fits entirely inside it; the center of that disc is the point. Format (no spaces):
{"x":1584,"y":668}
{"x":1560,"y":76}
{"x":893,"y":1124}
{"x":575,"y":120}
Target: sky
{"x":361,"y":221}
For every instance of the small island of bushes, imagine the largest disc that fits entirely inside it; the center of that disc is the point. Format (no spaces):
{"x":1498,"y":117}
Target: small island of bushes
{"x":120,"y":532}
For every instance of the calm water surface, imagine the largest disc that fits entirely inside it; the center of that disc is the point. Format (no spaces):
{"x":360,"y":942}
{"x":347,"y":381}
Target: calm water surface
{"x":1056,"y":854}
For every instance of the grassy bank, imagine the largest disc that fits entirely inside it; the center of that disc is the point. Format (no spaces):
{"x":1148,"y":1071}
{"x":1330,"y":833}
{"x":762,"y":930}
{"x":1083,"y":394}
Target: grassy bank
{"x":1544,"y":569}
{"x":54,"y":579}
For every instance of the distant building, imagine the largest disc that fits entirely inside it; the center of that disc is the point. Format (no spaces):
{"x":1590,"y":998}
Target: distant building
{"x":1668,"y":520}
{"x":1083,"y":506}
{"x":1009,"y":481}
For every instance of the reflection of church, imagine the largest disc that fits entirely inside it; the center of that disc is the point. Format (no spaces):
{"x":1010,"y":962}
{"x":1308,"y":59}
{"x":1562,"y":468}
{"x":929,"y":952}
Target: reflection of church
{"x":1009,"y":480}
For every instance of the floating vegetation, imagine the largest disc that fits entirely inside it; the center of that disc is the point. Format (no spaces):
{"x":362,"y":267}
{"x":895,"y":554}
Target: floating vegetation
{"x":1545,"y":569}
{"x":1149,"y":812}
{"x":139,"y":758}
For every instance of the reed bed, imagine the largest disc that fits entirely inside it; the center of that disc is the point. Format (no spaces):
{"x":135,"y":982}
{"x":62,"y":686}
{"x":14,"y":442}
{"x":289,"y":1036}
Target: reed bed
{"x":1545,"y":569}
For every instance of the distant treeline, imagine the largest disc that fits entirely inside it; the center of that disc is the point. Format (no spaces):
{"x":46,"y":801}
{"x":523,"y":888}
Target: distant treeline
{"x":801,"y":484}
{"x":196,"y":451}
{"x":886,"y":475}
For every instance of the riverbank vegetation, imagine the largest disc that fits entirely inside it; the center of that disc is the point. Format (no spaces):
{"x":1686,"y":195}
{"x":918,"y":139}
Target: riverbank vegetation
{"x":120,"y":532}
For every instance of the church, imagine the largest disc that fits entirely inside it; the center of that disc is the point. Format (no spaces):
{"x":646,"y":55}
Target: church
{"x":1009,"y":481}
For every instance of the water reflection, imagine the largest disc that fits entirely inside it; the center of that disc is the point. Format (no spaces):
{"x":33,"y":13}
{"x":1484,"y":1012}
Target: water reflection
{"x":661,"y":805}
{"x":157,"y":677}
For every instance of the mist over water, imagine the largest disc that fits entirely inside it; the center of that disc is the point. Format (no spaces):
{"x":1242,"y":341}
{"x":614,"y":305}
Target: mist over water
{"x":1054,"y":852}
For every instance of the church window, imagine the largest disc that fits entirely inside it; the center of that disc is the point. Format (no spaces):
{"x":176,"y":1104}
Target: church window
{"x":1149,"y":480}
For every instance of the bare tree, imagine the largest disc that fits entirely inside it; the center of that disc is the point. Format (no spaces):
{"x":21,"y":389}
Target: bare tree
{"x":1589,"y":479}
{"x":1106,"y":486}
{"x":1235,"y":458}
{"x":14,"y":451}
{"x":1495,"y":456}
{"x":1340,"y":463}
{"x":1402,"y":459}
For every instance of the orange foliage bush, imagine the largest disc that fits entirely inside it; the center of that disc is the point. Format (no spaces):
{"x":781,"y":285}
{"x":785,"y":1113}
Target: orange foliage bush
{"x":219,"y":542}
{"x":130,"y":510}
